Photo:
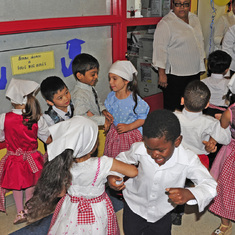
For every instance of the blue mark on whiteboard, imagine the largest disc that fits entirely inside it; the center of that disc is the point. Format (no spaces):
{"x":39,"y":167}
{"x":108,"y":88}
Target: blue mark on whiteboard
{"x":74,"y":48}
{"x":3,"y":79}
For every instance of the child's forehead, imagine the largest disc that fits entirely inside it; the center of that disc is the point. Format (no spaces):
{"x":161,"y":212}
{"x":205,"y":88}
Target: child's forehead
{"x":61,"y":89}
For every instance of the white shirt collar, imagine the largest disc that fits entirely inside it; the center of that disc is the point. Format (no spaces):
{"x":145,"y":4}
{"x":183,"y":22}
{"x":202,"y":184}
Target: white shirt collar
{"x":191,"y":115}
{"x":217,"y":76}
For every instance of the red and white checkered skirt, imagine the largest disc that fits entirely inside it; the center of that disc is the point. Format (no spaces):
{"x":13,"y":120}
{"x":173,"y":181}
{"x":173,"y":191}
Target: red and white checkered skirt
{"x":224,"y":203}
{"x":116,"y":143}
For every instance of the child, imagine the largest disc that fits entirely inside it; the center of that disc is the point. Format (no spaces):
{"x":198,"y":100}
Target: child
{"x":85,"y":208}
{"x":127,"y":108}
{"x":163,"y":166}
{"x":86,"y":102}
{"x":21,"y":167}
{"x":196,"y":127}
{"x":223,"y":171}
{"x":58,"y":98}
{"x":218,"y":65}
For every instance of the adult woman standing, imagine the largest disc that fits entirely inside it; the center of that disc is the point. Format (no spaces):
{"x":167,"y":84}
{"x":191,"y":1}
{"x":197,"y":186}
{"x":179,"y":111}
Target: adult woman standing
{"x":178,"y":52}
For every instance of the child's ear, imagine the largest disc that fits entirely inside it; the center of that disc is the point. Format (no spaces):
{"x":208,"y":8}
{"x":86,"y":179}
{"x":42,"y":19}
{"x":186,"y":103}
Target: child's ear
{"x":49,"y":102}
{"x":79,"y":76}
{"x":207,"y":105}
{"x":182,"y":101}
{"x":178,"y":141}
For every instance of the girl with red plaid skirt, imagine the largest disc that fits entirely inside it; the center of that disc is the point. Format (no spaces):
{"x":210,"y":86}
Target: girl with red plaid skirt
{"x":128,"y":109}
{"x":80,"y":179}
{"x":223,"y":171}
{"x":21,"y":167}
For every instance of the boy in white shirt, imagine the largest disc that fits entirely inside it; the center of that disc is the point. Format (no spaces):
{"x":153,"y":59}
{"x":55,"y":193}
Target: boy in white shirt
{"x":58,"y":97}
{"x":197,"y":127}
{"x":163,"y":166}
{"x":218,"y":66}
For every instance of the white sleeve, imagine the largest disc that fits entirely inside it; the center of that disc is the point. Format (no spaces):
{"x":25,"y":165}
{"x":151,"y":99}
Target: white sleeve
{"x":2,"y":120}
{"x":205,"y":185}
{"x":43,"y":132}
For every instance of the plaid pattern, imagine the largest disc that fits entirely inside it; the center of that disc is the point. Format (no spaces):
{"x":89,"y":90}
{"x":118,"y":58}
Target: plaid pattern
{"x":97,"y":172}
{"x":85,"y":213}
{"x":224,"y":203}
{"x":216,"y":107}
{"x":2,"y":190}
{"x":116,"y":143}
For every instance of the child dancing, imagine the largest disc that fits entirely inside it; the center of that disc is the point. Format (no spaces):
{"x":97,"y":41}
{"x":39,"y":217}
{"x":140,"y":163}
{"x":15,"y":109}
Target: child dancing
{"x":223,"y":171}
{"x":127,"y":108}
{"x":85,"y":208}
{"x":21,"y":167}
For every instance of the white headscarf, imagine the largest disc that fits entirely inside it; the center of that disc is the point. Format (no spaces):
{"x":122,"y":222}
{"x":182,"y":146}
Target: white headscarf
{"x":77,"y":133}
{"x":18,"y":89}
{"x":231,"y":84}
{"x":124,"y":69}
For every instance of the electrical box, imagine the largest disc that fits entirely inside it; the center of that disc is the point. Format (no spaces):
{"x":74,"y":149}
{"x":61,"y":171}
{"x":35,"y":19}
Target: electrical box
{"x":147,"y":78}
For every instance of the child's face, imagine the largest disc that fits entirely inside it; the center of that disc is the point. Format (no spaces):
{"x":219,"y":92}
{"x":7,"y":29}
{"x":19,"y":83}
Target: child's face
{"x":159,"y":149}
{"x":61,"y":99}
{"x":117,"y":83}
{"x":90,"y":77}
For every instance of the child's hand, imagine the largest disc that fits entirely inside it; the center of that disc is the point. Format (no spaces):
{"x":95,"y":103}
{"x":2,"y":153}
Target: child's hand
{"x":107,"y":125}
{"x":89,"y":113}
{"x":121,"y":128}
{"x":113,"y":184}
{"x":218,"y":116}
{"x":210,"y":146}
{"x":108,"y":115}
{"x":179,"y":196}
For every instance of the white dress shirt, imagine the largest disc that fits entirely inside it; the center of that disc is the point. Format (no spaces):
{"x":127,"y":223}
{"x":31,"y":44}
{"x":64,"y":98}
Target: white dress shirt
{"x":61,"y":113}
{"x":228,"y":45}
{"x":218,"y":86}
{"x":221,"y":27}
{"x":145,"y":194}
{"x":178,"y":47}
{"x":43,"y":132}
{"x":84,"y":100}
{"x":196,"y":127}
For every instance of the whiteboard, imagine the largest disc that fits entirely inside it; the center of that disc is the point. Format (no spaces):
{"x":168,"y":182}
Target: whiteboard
{"x":97,"y":42}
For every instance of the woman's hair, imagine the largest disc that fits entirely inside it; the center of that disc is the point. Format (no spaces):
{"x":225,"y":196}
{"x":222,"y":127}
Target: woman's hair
{"x":32,"y":111}
{"x":133,"y":86}
{"x":55,"y":179}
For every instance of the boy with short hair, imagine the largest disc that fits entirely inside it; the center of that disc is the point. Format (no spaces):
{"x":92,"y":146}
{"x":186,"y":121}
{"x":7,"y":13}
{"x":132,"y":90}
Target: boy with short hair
{"x":163,"y":166}
{"x":58,"y":97}
{"x":197,"y":128}
{"x":86,"y":102}
{"x":218,"y":66}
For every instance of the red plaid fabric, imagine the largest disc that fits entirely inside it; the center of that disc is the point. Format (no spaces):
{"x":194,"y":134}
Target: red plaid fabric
{"x":116,"y":143}
{"x":26,"y":157}
{"x":85,"y":213}
{"x":224,"y":203}
{"x":2,"y":190}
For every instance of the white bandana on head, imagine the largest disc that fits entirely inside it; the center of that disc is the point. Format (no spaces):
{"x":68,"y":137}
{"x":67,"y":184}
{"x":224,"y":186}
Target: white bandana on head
{"x":18,"y":89}
{"x":124,"y":69}
{"x":231,"y":84}
{"x":77,"y":133}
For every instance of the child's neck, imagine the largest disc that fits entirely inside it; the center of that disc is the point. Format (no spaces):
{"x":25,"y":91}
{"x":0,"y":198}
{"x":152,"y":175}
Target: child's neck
{"x":19,"y":106}
{"x":82,"y":159}
{"x":122,"y":94}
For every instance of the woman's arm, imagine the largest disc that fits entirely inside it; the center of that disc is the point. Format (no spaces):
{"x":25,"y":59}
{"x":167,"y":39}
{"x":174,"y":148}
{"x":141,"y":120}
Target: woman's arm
{"x":124,"y":168}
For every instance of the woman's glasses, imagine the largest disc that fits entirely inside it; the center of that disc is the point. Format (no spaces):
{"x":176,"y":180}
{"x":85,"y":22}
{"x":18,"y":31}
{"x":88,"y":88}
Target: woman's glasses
{"x":178,"y":4}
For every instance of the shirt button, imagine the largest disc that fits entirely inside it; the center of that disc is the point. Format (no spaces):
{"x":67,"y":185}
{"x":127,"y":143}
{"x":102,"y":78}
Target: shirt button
{"x":153,"y":195}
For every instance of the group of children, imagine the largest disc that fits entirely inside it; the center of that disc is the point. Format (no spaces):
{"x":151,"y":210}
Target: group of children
{"x":148,"y":148}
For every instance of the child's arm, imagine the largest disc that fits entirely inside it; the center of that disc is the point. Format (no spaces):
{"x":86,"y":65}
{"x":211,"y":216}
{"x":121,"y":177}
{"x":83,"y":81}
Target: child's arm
{"x":121,"y":127}
{"x":210,"y":145}
{"x":124,"y":168}
{"x":108,"y":115}
{"x":225,"y":119}
{"x":179,"y":196}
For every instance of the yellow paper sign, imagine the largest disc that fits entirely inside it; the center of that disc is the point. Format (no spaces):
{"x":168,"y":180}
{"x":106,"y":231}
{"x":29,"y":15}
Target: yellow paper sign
{"x":22,"y":64}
